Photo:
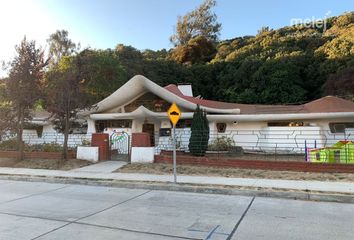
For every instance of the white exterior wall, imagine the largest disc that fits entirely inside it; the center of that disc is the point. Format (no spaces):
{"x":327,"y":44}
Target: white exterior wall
{"x":91,"y":128}
{"x":253,"y":136}
{"x":257,"y":136}
{"x":50,"y":135}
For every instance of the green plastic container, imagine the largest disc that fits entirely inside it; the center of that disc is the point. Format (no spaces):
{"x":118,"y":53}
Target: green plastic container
{"x":347,"y":153}
{"x":330,"y":155}
{"x":339,"y":144}
{"x":318,"y":156}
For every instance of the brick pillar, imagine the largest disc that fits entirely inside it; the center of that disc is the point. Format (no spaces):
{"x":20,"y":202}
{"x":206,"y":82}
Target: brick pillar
{"x":101,"y":140}
{"x":141,"y":140}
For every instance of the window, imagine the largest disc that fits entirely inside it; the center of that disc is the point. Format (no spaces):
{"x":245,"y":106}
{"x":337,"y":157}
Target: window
{"x":221,"y":127}
{"x":165,"y":132}
{"x":286,"y":124}
{"x":78,"y":128}
{"x":184,"y":123}
{"x":38,"y":128}
{"x":101,"y":125}
{"x":340,"y":127}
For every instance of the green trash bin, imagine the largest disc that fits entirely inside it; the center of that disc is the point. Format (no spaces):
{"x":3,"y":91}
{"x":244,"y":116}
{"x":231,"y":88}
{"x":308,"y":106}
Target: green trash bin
{"x":347,"y":153}
{"x":339,"y":144}
{"x":332,"y":154}
{"x":318,"y":155}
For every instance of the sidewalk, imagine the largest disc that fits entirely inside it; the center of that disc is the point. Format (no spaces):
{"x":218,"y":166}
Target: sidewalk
{"x":317,"y":186}
{"x":101,"y":167}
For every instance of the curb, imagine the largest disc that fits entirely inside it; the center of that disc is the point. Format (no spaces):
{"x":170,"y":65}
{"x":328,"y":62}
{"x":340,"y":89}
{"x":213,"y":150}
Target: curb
{"x":192,"y":188}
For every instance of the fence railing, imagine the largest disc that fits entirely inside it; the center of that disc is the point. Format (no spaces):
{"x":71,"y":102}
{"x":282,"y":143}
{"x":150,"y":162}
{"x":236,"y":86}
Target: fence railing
{"x":290,"y":145}
{"x":262,"y":144}
{"x":32,"y":139}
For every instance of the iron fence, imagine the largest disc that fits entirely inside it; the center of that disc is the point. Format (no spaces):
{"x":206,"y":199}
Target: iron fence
{"x":264,"y":144}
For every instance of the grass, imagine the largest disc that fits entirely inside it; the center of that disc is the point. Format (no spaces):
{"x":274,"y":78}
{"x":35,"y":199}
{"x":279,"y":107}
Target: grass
{"x":51,"y":164}
{"x":157,"y":168}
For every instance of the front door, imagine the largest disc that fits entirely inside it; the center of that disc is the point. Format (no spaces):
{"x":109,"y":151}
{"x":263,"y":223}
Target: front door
{"x":150,"y":129}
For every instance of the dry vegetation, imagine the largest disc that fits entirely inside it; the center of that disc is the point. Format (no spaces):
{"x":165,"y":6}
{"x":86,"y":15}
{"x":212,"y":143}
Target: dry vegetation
{"x":43,"y":164}
{"x":234,"y":172}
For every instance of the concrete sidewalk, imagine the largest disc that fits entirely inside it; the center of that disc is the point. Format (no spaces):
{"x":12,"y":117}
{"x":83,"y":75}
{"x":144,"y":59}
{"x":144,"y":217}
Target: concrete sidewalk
{"x":317,"y":186}
{"x":101,"y":167}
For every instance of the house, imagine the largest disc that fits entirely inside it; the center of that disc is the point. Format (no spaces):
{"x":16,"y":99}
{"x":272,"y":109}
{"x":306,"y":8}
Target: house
{"x":140,"y":105}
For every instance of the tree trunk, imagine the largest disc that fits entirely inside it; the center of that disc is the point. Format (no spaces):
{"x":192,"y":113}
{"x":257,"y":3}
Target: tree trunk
{"x":66,"y":137}
{"x":20,"y":119}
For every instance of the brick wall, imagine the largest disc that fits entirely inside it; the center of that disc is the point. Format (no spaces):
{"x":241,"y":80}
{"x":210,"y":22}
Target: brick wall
{"x":101,"y":140}
{"x":37,"y":155}
{"x":141,"y":140}
{"x":257,"y":164}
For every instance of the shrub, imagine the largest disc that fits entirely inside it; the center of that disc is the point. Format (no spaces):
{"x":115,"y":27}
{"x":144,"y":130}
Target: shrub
{"x":198,"y":142}
{"x":46,"y":147}
{"x":85,"y":142}
{"x":9,"y":145}
{"x":221,"y":144}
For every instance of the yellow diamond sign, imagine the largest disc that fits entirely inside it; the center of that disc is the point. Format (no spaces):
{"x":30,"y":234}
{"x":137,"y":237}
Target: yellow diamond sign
{"x":174,"y":114}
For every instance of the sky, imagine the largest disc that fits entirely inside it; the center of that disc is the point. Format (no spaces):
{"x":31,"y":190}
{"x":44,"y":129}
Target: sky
{"x":144,"y":24}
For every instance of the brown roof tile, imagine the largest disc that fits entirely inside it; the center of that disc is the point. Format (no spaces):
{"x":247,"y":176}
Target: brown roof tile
{"x":322,"y":105}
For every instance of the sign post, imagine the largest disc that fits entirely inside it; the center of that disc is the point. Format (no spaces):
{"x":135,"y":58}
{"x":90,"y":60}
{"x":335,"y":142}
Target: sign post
{"x":174,"y":114}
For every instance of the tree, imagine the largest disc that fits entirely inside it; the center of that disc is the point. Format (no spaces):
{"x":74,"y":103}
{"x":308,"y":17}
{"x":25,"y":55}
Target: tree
{"x":197,"y":50}
{"x":198,"y":142}
{"x":60,"y":45}
{"x":131,"y":59}
{"x":200,"y":22}
{"x":6,"y":115}
{"x":65,"y":95}
{"x":23,"y":85}
{"x":102,"y":71}
{"x":340,"y":83}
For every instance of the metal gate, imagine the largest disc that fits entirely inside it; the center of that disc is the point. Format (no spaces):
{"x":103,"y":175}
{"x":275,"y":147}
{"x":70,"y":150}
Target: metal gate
{"x":120,"y":146}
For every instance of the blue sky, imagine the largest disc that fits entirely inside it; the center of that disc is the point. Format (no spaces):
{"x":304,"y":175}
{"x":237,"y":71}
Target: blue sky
{"x":144,"y":24}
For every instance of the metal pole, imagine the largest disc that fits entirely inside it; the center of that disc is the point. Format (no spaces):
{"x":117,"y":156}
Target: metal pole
{"x":174,"y":155}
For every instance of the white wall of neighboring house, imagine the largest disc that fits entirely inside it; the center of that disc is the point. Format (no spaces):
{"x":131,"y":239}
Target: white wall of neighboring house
{"x":258,"y":136}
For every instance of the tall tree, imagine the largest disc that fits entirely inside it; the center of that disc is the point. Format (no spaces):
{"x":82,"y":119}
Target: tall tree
{"x":60,"y":45}
{"x":6,"y":115}
{"x":200,"y":22}
{"x":23,"y":84}
{"x":197,"y":50}
{"x":198,"y":141}
{"x":66,"y":95}
{"x":102,"y":71}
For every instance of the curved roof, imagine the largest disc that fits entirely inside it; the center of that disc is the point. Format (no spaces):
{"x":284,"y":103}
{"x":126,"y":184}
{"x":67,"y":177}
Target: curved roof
{"x":140,"y":84}
{"x":142,"y":112}
{"x":328,"y":104}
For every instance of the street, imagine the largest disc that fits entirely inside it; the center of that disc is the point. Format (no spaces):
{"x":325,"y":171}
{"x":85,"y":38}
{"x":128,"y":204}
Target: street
{"x":35,"y":210}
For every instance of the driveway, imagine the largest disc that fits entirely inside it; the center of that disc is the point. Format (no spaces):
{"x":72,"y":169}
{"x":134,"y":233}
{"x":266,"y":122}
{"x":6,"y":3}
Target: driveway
{"x":31,"y":210}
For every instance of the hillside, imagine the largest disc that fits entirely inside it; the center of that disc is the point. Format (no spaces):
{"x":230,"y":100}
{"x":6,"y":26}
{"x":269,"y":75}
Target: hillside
{"x":291,"y":65}
{"x":288,"y":65}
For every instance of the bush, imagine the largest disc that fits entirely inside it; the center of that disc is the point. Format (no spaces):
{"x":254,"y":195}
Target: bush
{"x":46,"y":147}
{"x":198,"y":142}
{"x":221,"y":144}
{"x":85,"y":142}
{"x":9,"y":145}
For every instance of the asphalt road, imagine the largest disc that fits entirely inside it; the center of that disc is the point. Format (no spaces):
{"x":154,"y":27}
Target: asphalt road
{"x":30,"y":210}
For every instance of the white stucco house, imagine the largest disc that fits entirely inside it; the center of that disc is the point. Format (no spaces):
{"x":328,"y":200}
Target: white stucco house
{"x":140,"y":105}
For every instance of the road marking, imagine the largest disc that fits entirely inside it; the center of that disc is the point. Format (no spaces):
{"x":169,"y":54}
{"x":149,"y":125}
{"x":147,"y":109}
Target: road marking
{"x":211,"y":232}
{"x":240,"y":220}
{"x":91,"y":214}
{"x":34,"y":194}
{"x":93,"y":225}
